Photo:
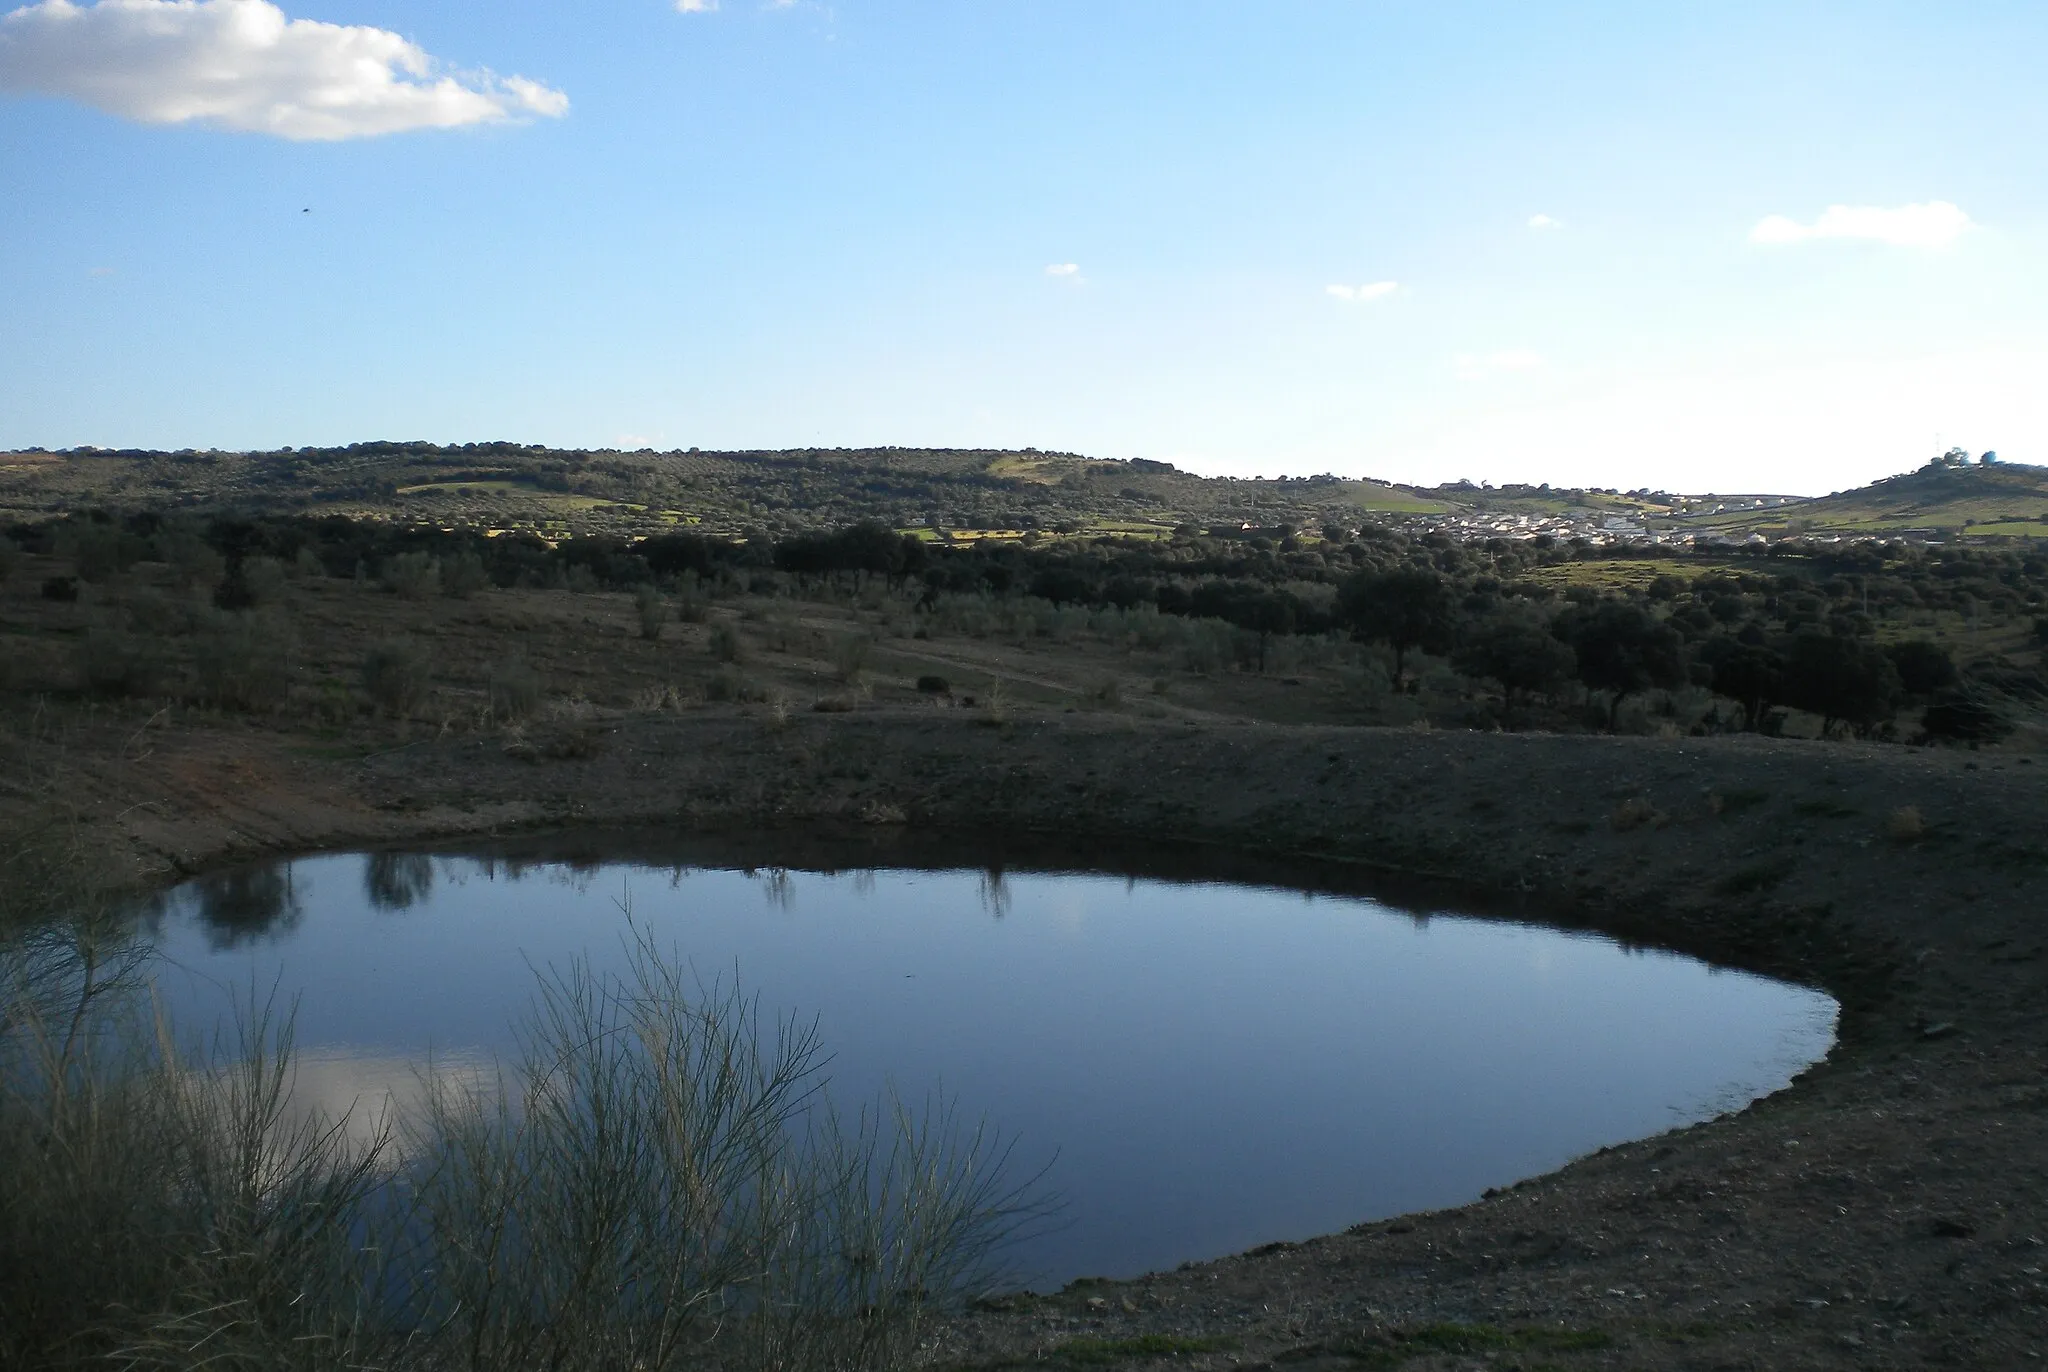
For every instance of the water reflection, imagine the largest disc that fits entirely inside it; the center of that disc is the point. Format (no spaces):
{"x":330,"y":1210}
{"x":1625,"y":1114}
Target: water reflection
{"x":247,"y":903}
{"x":397,"y":881}
{"x":1214,"y":1065}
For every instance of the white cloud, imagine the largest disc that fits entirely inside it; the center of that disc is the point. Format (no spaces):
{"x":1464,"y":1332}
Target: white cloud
{"x":1506,"y":360}
{"x":243,"y":65}
{"x":1540,"y":222}
{"x":1373,"y":290}
{"x":1936,"y":224}
{"x":1063,"y":269}
{"x":696,"y":6}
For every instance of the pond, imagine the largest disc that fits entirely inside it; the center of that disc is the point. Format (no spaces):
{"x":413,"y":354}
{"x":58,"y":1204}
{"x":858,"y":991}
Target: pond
{"x":1200,"y":1065}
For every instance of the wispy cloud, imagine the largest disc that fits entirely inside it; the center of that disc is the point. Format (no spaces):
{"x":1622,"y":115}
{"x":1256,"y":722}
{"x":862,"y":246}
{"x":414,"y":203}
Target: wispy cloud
{"x":243,"y":65}
{"x":1358,"y":295}
{"x":1936,"y":224}
{"x":1505,"y":360}
{"x":1540,"y":222}
{"x":696,"y":6}
{"x":1064,"y":271}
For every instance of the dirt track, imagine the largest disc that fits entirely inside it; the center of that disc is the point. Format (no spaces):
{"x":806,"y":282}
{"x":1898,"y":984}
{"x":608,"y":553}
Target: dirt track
{"x":1889,"y":1211}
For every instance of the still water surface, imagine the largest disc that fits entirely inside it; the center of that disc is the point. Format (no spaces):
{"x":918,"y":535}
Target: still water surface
{"x":1205,"y":1066}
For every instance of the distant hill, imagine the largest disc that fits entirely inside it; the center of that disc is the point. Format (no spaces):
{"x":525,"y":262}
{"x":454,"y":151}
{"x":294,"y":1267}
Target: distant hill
{"x":963,"y":492}
{"x":1976,"y":500}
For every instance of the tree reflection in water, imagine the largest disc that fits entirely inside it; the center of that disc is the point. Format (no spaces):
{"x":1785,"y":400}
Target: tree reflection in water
{"x":397,"y":881}
{"x":245,"y":904}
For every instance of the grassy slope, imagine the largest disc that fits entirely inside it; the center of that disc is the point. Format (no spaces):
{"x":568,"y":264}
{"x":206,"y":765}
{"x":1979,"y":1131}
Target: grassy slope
{"x":2007,"y":498}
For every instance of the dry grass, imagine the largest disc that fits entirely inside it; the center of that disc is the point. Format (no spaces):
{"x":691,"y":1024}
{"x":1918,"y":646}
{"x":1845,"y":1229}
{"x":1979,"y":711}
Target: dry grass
{"x":1904,"y":825}
{"x":659,"y":1182}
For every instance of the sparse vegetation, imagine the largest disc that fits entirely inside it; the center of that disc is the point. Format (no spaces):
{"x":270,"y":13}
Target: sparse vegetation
{"x":655,"y":1184}
{"x":651,"y":606}
{"x":396,"y":673}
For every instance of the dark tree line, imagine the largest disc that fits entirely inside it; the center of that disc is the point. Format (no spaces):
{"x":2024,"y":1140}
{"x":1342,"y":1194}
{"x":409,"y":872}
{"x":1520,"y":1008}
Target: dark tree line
{"x":1808,"y":628}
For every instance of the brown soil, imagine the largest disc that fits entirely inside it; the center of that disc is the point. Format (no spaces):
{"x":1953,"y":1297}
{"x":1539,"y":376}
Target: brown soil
{"x":1888,"y":1211}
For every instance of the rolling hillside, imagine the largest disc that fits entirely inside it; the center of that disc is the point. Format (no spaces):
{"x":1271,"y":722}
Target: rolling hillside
{"x":1975,"y":501}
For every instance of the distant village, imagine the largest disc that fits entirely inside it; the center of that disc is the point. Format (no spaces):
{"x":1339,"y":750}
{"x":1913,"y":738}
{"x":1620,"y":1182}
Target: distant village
{"x":1662,"y":519}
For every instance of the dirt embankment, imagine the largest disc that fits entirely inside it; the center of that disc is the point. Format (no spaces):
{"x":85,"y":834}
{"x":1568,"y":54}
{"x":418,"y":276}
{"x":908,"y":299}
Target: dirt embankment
{"x":1889,"y":1211}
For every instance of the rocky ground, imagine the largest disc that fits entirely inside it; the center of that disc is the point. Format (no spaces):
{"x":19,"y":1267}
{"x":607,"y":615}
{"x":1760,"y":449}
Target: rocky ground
{"x":1890,"y":1210}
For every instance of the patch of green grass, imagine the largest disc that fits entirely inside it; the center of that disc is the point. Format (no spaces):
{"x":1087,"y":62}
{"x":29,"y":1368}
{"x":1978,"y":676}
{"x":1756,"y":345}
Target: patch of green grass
{"x":1367,"y":495}
{"x":1622,"y":573}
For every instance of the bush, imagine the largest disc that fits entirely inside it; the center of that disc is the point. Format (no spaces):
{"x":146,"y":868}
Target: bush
{"x":850,"y":656}
{"x":9,"y":558}
{"x":728,"y":684}
{"x":193,"y":561}
{"x":112,"y":663}
{"x":95,"y":549}
{"x":245,"y":659}
{"x":934,"y":686}
{"x":463,"y":575}
{"x":690,"y":607}
{"x":514,"y":690}
{"x":64,"y":588}
{"x":253,"y":582}
{"x":416,"y":576}
{"x":1961,"y":717}
{"x":726,"y":645}
{"x":396,"y":674}
{"x":652,"y":608}
{"x":659,"y":1183}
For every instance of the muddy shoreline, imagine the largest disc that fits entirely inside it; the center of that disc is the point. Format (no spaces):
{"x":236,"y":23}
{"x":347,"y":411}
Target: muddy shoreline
{"x":1890,"y":1210}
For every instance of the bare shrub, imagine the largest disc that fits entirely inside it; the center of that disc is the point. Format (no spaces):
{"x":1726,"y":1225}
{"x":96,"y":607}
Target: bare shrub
{"x":514,"y":689}
{"x":396,"y":673}
{"x":655,"y":699}
{"x":1904,"y":825}
{"x":690,"y":607}
{"x":1637,"y":812}
{"x":850,"y":654}
{"x":730,"y":685}
{"x":995,"y":704}
{"x":726,"y":645}
{"x":652,"y":608}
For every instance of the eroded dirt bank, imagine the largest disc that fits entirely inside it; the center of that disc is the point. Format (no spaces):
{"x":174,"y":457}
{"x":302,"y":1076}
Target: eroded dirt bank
{"x":1889,"y":1211}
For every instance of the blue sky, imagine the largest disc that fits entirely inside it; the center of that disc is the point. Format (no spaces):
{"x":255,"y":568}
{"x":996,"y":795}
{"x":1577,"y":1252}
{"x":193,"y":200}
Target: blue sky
{"x":1775,"y":246}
